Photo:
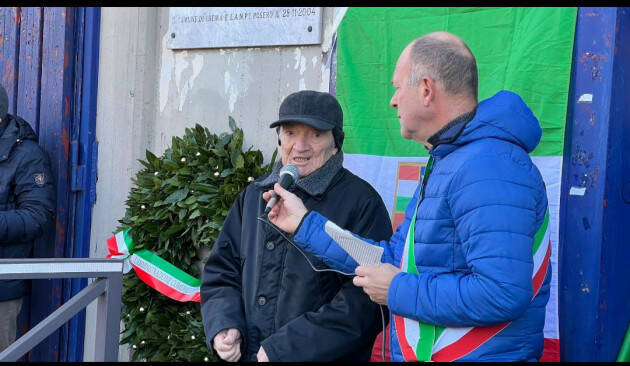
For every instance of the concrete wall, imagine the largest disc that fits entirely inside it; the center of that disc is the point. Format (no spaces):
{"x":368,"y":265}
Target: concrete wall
{"x":148,"y":93}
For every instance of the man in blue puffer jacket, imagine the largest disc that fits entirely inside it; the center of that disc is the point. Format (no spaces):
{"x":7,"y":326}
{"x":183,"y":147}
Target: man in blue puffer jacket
{"x":470,"y":274}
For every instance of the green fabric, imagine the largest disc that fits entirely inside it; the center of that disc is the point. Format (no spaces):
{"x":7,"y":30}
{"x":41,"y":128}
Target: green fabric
{"x":128,"y":240}
{"x":411,"y":259}
{"x":525,"y":50}
{"x":624,"y":352}
{"x":402,"y":202}
{"x":540,"y":234}
{"x":425,"y":342}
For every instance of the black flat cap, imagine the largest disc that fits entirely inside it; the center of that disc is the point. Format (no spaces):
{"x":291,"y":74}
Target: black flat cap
{"x":316,"y":109}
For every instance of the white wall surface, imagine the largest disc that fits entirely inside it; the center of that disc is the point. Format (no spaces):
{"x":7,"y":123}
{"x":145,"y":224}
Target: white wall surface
{"x":148,"y":93}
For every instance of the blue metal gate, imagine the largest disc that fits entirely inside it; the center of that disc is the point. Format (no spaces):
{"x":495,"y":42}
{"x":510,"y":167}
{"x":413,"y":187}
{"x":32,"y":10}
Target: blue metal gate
{"x":49,"y":64}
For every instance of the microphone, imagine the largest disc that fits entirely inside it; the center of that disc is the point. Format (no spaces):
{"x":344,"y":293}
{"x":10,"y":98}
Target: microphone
{"x":288,"y":174}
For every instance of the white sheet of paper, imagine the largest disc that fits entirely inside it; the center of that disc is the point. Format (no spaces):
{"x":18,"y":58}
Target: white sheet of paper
{"x":361,"y":251}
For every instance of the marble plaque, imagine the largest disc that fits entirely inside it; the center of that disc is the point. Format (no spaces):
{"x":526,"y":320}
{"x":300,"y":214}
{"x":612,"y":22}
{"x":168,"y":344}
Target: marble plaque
{"x":243,"y":27}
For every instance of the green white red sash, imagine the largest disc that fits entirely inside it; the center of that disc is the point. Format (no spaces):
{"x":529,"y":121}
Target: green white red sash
{"x":426,"y":342}
{"x":165,"y":277}
{"x":153,"y":270}
{"x":120,"y":244}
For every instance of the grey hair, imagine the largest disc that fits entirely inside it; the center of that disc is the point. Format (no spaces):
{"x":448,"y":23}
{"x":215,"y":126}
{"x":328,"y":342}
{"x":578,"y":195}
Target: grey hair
{"x":447,"y":62}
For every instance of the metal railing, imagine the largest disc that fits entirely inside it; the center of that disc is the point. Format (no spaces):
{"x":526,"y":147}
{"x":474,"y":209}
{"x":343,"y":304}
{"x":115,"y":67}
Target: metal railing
{"x":107,"y":288}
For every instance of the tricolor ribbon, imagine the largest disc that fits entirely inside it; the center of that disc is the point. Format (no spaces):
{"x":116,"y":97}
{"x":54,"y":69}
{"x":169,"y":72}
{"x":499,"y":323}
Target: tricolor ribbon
{"x":153,"y":270}
{"x":427,"y":342}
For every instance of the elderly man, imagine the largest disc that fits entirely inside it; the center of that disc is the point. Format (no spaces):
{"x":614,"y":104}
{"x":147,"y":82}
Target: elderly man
{"x":260,"y":298}
{"x":472,"y":256}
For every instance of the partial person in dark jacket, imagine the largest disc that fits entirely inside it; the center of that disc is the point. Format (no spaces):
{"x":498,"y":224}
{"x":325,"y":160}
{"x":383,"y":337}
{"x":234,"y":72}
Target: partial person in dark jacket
{"x":260,"y":298}
{"x":27,"y":207}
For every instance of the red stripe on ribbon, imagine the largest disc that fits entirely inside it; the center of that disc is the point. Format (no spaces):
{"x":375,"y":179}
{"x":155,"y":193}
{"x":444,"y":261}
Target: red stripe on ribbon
{"x":408,"y":353}
{"x":163,"y":288}
{"x":542,"y":271}
{"x":551,"y":350}
{"x":468,"y":343}
{"x":112,"y":247}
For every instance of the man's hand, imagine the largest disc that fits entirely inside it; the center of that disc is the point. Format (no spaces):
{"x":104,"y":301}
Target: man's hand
{"x":375,"y":280}
{"x":262,"y":356}
{"x":227,"y":343}
{"x":288,"y":212}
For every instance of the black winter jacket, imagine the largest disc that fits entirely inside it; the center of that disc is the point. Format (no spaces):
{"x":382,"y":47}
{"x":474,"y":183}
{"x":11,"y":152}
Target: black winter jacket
{"x":258,"y":282}
{"x":27,"y":196}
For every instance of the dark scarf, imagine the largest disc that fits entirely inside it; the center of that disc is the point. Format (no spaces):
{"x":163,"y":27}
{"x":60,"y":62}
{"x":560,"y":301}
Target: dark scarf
{"x":315,"y":183}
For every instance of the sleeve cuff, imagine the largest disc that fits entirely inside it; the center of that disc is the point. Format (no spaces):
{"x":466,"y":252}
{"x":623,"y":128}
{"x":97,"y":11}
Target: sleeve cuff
{"x":301,"y":221}
{"x":272,"y":355}
{"x":401,"y":297}
{"x":310,"y":223}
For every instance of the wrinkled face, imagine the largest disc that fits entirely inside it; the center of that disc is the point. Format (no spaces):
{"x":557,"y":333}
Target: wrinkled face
{"x":407,"y":100}
{"x":305,"y":147}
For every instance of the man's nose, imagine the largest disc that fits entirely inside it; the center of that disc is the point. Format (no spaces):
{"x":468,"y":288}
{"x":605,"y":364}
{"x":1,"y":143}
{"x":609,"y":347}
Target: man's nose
{"x":393,"y":102}
{"x":301,"y":143}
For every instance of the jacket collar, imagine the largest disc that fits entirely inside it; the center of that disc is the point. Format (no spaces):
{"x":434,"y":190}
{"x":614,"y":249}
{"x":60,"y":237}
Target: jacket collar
{"x":316,"y":183}
{"x":452,"y":130}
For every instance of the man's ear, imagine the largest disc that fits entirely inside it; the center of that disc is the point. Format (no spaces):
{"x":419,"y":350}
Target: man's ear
{"x":278,"y":133}
{"x":426,"y":90}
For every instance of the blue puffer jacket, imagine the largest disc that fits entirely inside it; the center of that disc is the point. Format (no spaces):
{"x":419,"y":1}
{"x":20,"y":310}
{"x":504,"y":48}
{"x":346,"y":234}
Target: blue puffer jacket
{"x":475,"y":227}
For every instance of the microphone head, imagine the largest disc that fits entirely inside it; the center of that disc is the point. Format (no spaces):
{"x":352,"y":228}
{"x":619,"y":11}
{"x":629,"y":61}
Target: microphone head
{"x":292,"y":170}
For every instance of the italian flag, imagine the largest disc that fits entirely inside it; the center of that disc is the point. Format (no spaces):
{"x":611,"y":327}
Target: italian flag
{"x":407,"y":181}
{"x":524,"y":50}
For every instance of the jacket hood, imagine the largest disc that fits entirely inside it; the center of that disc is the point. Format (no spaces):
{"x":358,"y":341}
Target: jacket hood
{"x":15,"y":129}
{"x":18,"y":127}
{"x":503,"y":116}
{"x":25,"y":131}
